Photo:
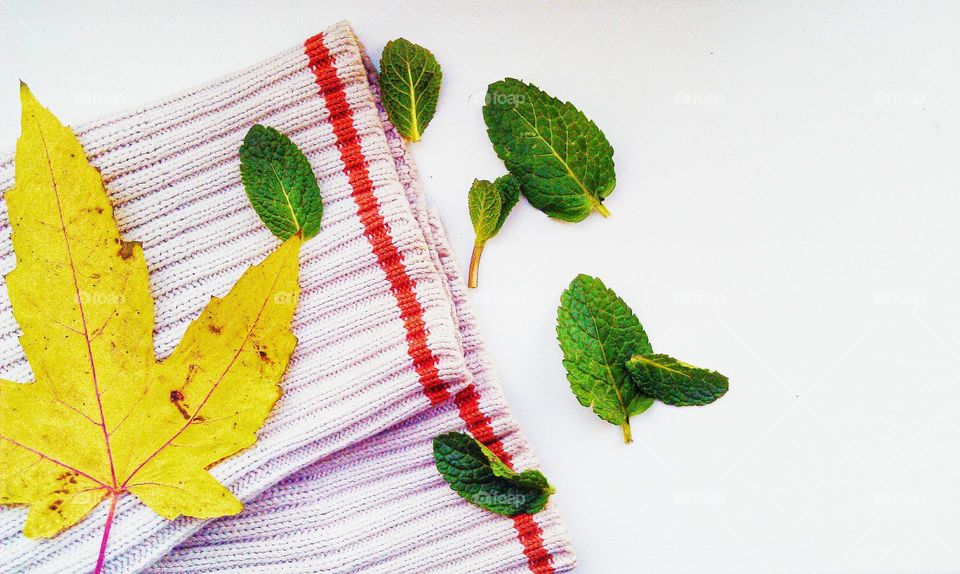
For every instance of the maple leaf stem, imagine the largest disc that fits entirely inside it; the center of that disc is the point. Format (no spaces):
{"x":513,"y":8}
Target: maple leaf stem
{"x":106,"y":532}
{"x":627,"y":437}
{"x":474,"y":266}
{"x":602,"y":210}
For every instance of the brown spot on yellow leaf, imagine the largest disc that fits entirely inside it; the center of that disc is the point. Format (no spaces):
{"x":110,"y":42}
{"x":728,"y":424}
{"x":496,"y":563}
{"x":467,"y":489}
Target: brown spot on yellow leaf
{"x":126,"y":249}
{"x":176,"y":397}
{"x":265,"y":357}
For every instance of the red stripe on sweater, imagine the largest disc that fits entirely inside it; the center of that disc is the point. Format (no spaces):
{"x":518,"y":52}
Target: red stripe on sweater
{"x":528,"y":531}
{"x":375,"y":228}
{"x":402,"y":285}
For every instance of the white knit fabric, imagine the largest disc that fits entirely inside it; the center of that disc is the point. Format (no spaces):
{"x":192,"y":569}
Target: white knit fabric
{"x":342,"y":477}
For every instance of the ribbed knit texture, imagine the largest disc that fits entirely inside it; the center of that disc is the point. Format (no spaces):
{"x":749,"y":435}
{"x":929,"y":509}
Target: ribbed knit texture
{"x":342,"y":477}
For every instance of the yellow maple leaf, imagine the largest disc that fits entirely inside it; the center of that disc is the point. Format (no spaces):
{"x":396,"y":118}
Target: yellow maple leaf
{"x":103,"y":417}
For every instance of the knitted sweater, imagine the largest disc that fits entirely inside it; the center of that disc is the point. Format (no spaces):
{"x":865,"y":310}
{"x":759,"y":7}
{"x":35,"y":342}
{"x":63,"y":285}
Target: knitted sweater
{"x":342,"y":477}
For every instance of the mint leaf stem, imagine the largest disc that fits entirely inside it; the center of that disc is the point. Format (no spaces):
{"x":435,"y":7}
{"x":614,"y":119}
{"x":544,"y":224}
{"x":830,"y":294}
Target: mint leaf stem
{"x":475,"y":264}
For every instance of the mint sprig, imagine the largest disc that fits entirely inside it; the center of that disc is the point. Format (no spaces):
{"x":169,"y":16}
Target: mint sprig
{"x":410,"y":86}
{"x":489,"y":204}
{"x":475,"y":473}
{"x":610,"y":363}
{"x":563,"y":160}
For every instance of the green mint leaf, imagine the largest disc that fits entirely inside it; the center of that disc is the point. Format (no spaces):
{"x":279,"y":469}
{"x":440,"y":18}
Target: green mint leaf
{"x":410,"y":85}
{"x":280,"y":183}
{"x":509,"y":188}
{"x":485,"y":202}
{"x":480,"y":477}
{"x":598,"y":334}
{"x":563,"y":160}
{"x":675,"y":382}
{"x":490,"y":204}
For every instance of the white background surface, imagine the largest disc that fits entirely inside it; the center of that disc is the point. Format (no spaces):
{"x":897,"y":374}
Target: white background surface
{"x":786,"y":212}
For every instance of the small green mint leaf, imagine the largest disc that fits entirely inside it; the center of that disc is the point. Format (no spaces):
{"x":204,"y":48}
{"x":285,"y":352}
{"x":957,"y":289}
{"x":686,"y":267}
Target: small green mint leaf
{"x":280,"y":183}
{"x":409,"y":85}
{"x":563,"y":160}
{"x":598,"y":334}
{"x":484,"y":202}
{"x":509,"y":188}
{"x":490,"y":204}
{"x":475,"y":473}
{"x":675,"y":382}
